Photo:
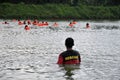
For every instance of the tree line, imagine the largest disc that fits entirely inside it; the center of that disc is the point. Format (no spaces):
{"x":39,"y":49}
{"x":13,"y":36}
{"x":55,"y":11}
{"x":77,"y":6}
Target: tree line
{"x":71,"y":2}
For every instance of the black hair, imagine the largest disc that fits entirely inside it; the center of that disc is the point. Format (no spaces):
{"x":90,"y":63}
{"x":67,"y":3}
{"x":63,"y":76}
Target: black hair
{"x":69,"y":42}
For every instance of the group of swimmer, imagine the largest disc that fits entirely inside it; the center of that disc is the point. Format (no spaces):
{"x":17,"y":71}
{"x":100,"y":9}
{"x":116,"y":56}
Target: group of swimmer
{"x":35,"y":22}
{"x":68,"y":57}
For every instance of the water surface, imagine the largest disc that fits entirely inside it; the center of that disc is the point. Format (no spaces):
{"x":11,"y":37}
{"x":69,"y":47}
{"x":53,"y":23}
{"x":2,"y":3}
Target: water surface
{"x":32,"y":55}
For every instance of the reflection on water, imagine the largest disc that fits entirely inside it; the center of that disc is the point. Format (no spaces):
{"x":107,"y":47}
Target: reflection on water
{"x":32,"y":55}
{"x":69,"y":71}
{"x":68,"y":74}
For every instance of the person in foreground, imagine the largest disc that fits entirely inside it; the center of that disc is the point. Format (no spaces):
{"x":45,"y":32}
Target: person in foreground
{"x":70,"y":56}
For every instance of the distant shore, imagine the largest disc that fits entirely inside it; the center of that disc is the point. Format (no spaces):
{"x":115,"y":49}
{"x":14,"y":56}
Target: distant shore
{"x":58,"y":12}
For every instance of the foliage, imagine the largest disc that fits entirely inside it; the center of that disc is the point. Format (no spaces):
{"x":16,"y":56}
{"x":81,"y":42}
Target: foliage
{"x":70,"y":2}
{"x":58,"y":11}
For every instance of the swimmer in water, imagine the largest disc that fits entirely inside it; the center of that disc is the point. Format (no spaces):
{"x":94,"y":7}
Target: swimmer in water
{"x":27,"y":27}
{"x":55,"y":24}
{"x":71,"y":24}
{"x":87,"y":25}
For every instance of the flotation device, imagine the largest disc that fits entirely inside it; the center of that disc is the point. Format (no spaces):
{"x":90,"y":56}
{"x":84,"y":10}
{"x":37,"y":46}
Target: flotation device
{"x":27,"y":27}
{"x":46,"y":24}
{"x":35,"y":22}
{"x":40,"y":24}
{"x":74,"y":22}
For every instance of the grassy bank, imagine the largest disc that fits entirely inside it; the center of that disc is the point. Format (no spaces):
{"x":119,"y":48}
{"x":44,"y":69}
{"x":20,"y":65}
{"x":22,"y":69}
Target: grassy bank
{"x":57,"y":11}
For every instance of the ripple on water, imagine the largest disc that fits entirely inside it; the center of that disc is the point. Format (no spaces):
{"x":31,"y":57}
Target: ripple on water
{"x":32,"y":55}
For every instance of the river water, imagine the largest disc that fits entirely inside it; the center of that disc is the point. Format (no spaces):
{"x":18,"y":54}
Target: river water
{"x":32,"y":55}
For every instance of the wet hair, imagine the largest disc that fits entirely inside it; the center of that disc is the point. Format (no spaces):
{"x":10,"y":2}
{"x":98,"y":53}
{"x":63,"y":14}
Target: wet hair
{"x":69,"y":42}
{"x":87,"y":23}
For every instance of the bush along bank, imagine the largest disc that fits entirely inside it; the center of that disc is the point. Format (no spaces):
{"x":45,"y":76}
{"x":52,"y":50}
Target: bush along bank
{"x":57,"y":11}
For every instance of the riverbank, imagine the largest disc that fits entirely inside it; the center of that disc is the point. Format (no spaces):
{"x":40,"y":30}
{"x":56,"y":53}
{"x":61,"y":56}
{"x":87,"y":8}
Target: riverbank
{"x":57,"y":11}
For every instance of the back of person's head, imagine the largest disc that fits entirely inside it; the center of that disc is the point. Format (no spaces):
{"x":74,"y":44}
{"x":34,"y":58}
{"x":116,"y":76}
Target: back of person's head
{"x":69,"y":42}
{"x":87,"y":23}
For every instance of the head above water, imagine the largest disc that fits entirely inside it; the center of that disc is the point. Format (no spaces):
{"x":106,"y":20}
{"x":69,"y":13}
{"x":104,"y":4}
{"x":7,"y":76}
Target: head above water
{"x":69,"y":42}
{"x":87,"y":23}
